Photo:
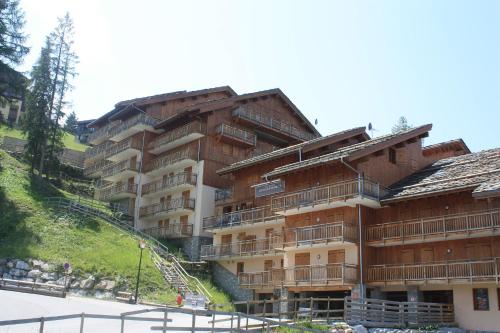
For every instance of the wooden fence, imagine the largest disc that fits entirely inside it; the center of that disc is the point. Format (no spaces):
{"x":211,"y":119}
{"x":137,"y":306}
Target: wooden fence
{"x":381,"y":313}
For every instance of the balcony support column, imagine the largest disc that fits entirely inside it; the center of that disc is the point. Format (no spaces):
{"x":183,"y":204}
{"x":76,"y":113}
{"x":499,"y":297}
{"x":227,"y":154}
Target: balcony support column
{"x":283,"y":307}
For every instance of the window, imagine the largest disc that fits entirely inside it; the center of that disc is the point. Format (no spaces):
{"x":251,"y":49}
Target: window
{"x":480,"y":299}
{"x":240,"y":267}
{"x":392,"y":155}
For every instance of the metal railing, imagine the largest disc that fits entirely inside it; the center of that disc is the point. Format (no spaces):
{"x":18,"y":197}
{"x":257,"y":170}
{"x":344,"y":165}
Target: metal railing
{"x":130,"y":143}
{"x":33,"y":287}
{"x":174,"y":230}
{"x":96,"y":167}
{"x":261,"y":118}
{"x":327,"y":194}
{"x":319,"y":234}
{"x":382,"y":313}
{"x":172,"y":158}
{"x":178,"y":133}
{"x":434,"y":227}
{"x":218,"y":321}
{"x":167,"y":206}
{"x":107,"y":192}
{"x":183,"y":178}
{"x":98,"y":151}
{"x":254,"y":247}
{"x":116,"y":168}
{"x":236,"y":133}
{"x":467,"y":270}
{"x":241,"y":217}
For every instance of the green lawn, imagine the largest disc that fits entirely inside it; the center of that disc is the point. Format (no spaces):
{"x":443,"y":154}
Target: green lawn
{"x":29,"y":229}
{"x":68,"y":139}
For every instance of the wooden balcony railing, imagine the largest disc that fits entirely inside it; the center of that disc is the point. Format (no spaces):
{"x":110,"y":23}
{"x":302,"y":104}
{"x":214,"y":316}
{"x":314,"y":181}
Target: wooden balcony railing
{"x":174,"y":230}
{"x":119,"y":167}
{"x":183,"y":178}
{"x":130,"y":143}
{"x":319,"y":234}
{"x":108,"y":131}
{"x":317,"y":275}
{"x":95,"y":168}
{"x":327,"y":194}
{"x":444,"y":271}
{"x":260,"y":118}
{"x":223,"y":194}
{"x":434,"y":227}
{"x":168,"y":206}
{"x":110,"y":191}
{"x":236,"y":134}
{"x":172,"y":158}
{"x":255,"y":247}
{"x":341,"y":274}
{"x":241,"y":217}
{"x":178,"y":133}
{"x":97,"y":151}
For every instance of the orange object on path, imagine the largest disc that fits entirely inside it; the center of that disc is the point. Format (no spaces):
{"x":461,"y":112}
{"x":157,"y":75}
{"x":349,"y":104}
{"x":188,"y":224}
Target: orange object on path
{"x":179,"y":299}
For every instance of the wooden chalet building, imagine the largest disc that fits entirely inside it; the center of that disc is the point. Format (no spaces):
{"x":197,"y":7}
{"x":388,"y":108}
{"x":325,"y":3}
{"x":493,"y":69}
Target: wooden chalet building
{"x":156,"y":157}
{"x":384,"y":218}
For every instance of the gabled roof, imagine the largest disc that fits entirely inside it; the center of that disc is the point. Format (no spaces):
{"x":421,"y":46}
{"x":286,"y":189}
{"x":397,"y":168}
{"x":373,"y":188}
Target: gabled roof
{"x":354,"y":151}
{"x":457,"y":144}
{"x":479,"y":172}
{"x":303,"y":146}
{"x":122,"y":106}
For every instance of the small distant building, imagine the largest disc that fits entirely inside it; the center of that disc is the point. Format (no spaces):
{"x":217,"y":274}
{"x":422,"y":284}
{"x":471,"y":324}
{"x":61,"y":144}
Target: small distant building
{"x":11,"y":99}
{"x":82,"y":131}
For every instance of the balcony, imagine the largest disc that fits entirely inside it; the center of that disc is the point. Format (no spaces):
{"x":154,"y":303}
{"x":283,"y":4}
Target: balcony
{"x":242,"y":219}
{"x":274,"y":125}
{"x":95,"y":170}
{"x":178,"y":137}
{"x":123,"y":150}
{"x":179,"y":182}
{"x":97,"y":152}
{"x":349,"y":193}
{"x":172,"y":162}
{"x":332,"y":234}
{"x":174,"y":230}
{"x":118,"y":192}
{"x":241,"y":249}
{"x":301,"y":276}
{"x":236,"y":135}
{"x":456,"y":271}
{"x":121,"y":170}
{"x":445,"y":227}
{"x":122,"y":130}
{"x":177,"y":206}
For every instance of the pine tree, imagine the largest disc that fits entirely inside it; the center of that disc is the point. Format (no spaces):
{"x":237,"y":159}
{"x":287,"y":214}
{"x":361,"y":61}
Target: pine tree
{"x":12,"y":48}
{"x":35,"y":122}
{"x":71,"y":123}
{"x":63,"y":69}
{"x":401,"y":125}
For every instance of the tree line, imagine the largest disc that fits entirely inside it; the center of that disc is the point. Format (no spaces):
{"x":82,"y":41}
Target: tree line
{"x":45,"y":90}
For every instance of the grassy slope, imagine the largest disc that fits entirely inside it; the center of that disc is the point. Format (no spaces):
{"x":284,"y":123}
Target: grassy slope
{"x":90,"y":245}
{"x":68,"y":139}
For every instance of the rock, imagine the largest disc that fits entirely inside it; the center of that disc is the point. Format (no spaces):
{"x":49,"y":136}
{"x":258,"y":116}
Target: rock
{"x":107,"y":285}
{"x":359,"y":329}
{"x":451,"y":330}
{"x":10,"y":264}
{"x":87,"y":283}
{"x":28,"y":279}
{"x":35,"y":273}
{"x":348,"y":330}
{"x":3,"y":262}
{"x":37,"y":264}
{"x":63,"y":281}
{"x":49,"y":276}
{"x":7,"y":276}
{"x":103,"y":295}
{"x":23,"y":265}
{"x":384,"y":330}
{"x":45,"y":267}
{"x":17,"y":272}
{"x":75,"y":284}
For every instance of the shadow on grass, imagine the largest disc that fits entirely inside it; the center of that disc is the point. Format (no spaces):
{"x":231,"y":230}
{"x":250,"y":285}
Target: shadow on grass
{"x":14,"y":236}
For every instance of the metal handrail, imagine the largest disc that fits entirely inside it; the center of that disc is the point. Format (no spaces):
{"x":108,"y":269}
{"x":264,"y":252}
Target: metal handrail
{"x":106,"y":192}
{"x":237,"y":133}
{"x":171,"y":158}
{"x":171,"y":181}
{"x":259,"y":246}
{"x":177,"y":133}
{"x":167,"y":206}
{"x":241,"y":217}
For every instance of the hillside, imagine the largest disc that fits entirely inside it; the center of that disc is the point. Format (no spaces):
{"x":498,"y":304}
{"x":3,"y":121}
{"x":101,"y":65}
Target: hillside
{"x":29,"y":229}
{"x":68,"y":139}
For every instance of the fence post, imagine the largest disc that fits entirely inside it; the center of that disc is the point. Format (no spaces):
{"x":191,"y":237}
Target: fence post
{"x":232,"y":320}
{"x":122,"y":327}
{"x":42,"y":323}
{"x":82,"y":321}
{"x":239,"y":322}
{"x":248,"y":312}
{"x":328,"y":310}
{"x":213,"y":322}
{"x":311,"y":303}
{"x":165,"y":317}
{"x":193,"y":321}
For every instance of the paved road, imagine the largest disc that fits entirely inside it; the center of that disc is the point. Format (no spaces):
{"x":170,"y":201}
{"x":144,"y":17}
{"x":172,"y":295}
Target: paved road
{"x":15,"y":305}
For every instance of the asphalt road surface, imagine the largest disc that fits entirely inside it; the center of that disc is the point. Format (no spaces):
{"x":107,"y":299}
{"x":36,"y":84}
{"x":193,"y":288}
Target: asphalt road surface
{"x":16,"y":305}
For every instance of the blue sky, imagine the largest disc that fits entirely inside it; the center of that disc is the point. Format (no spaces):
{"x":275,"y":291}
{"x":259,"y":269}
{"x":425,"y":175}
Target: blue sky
{"x":345,"y":63}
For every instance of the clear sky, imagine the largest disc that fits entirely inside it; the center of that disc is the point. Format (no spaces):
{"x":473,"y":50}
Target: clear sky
{"x":345,"y":63}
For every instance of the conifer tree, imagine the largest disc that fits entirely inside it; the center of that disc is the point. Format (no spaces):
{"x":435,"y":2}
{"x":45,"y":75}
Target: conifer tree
{"x":71,"y":123}
{"x":35,"y":122}
{"x":401,"y":125}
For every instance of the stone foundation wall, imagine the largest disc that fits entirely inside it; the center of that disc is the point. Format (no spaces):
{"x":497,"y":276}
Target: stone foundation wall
{"x":228,"y":282}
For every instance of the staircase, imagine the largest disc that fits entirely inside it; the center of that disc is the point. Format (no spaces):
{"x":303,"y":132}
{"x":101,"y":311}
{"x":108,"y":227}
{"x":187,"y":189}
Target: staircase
{"x":173,"y":272}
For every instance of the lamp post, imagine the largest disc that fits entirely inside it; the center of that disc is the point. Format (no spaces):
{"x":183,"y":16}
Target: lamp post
{"x":142,"y":245}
